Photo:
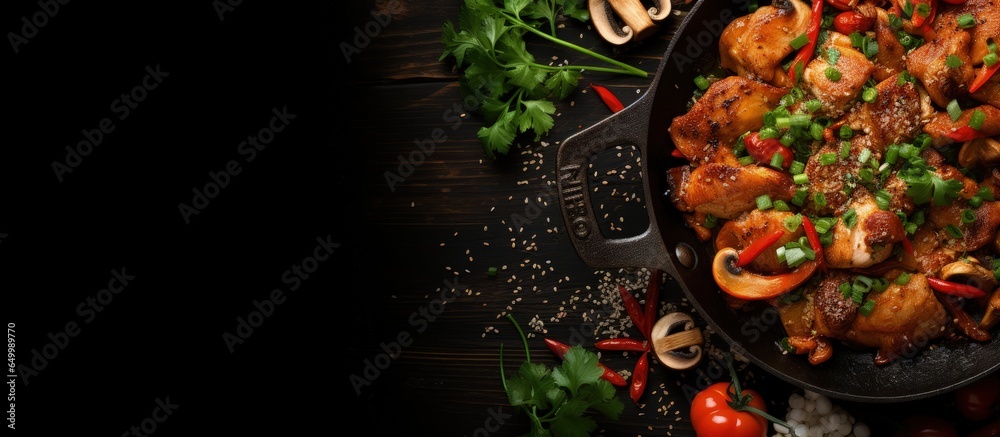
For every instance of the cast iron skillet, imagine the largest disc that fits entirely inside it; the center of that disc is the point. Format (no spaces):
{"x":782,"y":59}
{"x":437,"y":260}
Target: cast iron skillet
{"x":668,"y":244}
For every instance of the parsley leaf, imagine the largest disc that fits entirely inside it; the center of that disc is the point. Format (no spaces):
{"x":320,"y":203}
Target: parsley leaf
{"x":505,"y":82}
{"x":564,"y":395}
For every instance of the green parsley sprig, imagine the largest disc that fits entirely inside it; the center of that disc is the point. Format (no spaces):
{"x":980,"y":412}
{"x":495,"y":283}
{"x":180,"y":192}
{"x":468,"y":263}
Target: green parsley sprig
{"x":511,"y":90}
{"x":558,"y":400}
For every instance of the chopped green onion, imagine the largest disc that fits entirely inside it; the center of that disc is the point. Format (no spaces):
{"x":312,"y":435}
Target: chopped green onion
{"x":816,"y":131}
{"x":797,"y":167}
{"x":792,"y":222}
{"x":832,"y":55}
{"x":777,"y":161}
{"x":985,"y":193}
{"x":975,"y":201}
{"x":846,"y":132}
{"x":966,"y":21}
{"x":865,"y":155}
{"x":850,"y":218}
{"x":764,"y":202}
{"x":866,"y":309}
{"x":968,"y":216}
{"x":491,"y":272}
{"x":902,"y":279}
{"x":869,"y":95}
{"x":795,"y":257}
{"x":833,"y":74}
{"x":799,"y":41}
{"x":953,"y":61}
{"x":883,"y":198}
{"x":977,"y":119}
{"x":880,"y":284}
{"x":819,"y":199}
{"x":780,"y":205}
{"x":814,"y":105}
{"x":800,"y":196}
{"x":710,"y":221}
{"x":800,"y":179}
{"x":752,"y":6}
{"x":701,"y":82}
{"x":918,"y":218}
{"x":746,"y":160}
{"x":910,"y":227}
{"x":828,"y":158}
{"x":866,"y":175}
{"x":845,"y":149}
{"x":788,"y":138}
{"x":954,"y":231}
{"x":954,"y":111}
{"x":923,"y":10}
{"x":990,"y":59}
{"x":768,"y":132}
{"x":824,"y":224}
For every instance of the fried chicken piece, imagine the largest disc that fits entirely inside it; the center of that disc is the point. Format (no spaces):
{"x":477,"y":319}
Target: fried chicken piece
{"x":928,"y":63}
{"x":895,"y":116}
{"x":890,"y":59}
{"x":750,"y":227}
{"x":725,"y":191}
{"x":729,"y":108}
{"x":870,"y":240}
{"x":854,"y":69}
{"x":754,"y":45}
{"x":903,"y":320}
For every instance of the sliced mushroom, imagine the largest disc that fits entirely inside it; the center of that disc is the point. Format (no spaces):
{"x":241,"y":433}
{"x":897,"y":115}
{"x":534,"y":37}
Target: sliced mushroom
{"x":672,"y":333}
{"x":744,"y":284}
{"x":992,"y":315}
{"x":968,"y":271}
{"x":638,"y":21}
{"x":980,"y":151}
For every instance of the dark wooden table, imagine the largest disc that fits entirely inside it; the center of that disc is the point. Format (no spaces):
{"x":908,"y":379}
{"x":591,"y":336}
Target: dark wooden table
{"x":333,"y":276}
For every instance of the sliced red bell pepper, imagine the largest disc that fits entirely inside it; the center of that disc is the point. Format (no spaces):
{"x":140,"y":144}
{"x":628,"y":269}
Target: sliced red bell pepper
{"x":983,"y":76}
{"x":908,"y":246}
{"x":965,"y":133}
{"x":763,"y":150}
{"x":916,"y":18}
{"x":817,"y":246}
{"x":609,"y":375}
{"x":757,"y":247}
{"x":806,"y":52}
{"x":956,"y":289}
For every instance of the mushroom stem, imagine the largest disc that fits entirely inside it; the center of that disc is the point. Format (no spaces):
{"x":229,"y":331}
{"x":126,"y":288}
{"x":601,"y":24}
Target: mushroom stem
{"x":992,"y":315}
{"x":743,"y":284}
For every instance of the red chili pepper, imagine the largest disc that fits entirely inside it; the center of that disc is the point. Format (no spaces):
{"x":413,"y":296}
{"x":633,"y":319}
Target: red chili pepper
{"x":841,"y":5}
{"x":927,"y":28}
{"x":966,"y":133}
{"x":908,"y":247}
{"x":916,"y":18}
{"x":622,"y":344}
{"x":852,"y":21}
{"x":983,"y":76}
{"x":609,"y":375}
{"x":763,"y":150}
{"x":955,"y":289}
{"x":635,"y":312}
{"x":817,"y":246}
{"x":639,"y":376}
{"x":609,"y":99}
{"x":757,"y":247}
{"x":806,"y":52}
{"x":677,"y":154}
{"x":652,"y":301}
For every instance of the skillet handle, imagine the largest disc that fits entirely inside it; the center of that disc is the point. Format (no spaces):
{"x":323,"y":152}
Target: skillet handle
{"x":626,"y":127}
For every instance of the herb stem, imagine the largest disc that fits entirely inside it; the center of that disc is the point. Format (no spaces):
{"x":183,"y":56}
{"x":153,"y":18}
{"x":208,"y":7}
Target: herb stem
{"x":524,"y":339}
{"x":628,"y":69}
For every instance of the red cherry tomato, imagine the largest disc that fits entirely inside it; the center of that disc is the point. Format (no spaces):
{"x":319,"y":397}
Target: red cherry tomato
{"x":712,"y":416}
{"x":849,"y":22}
{"x":975,"y":401}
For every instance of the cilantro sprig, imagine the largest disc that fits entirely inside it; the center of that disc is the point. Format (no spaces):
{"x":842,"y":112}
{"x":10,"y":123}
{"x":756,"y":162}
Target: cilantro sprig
{"x":558,"y":400}
{"x":510,"y":87}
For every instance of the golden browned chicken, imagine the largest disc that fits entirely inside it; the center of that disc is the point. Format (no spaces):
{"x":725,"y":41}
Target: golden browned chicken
{"x":867,"y":239}
{"x":725,"y":191}
{"x":752,"y":226}
{"x":852,"y":69}
{"x":928,"y":63}
{"x":896,"y":116}
{"x":987,"y":27}
{"x":729,"y":108}
{"x":890,"y":59}
{"x":754,"y":45}
{"x":944,"y":131}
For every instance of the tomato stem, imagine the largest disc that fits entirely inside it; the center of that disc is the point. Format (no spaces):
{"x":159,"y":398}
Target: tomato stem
{"x":741,"y":403}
